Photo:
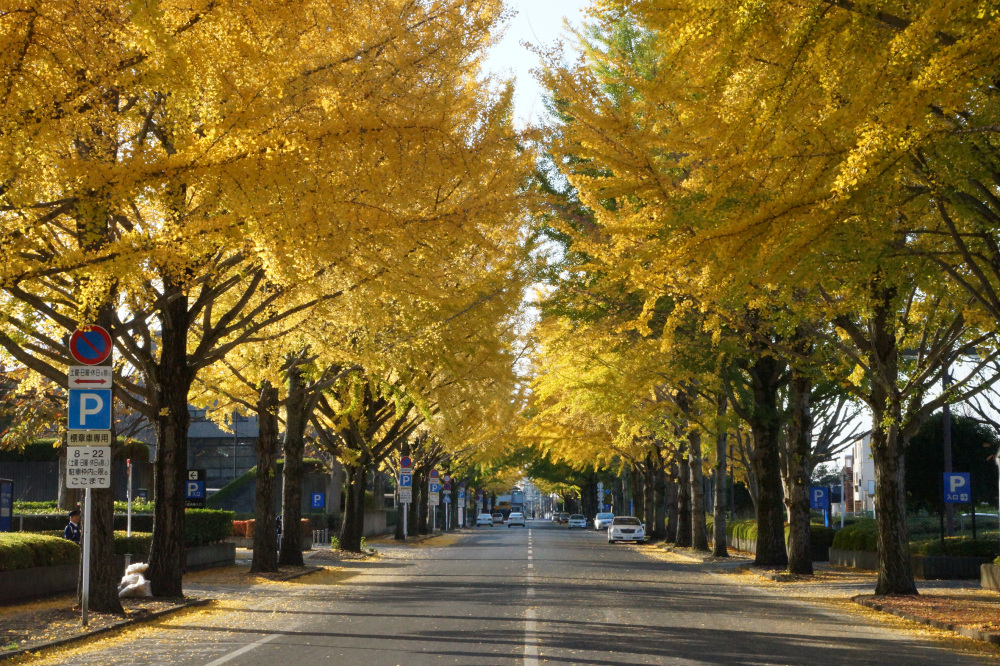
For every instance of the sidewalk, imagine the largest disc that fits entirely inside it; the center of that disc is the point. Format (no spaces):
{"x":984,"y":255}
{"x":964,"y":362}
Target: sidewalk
{"x":55,"y":621}
{"x":958,"y":606}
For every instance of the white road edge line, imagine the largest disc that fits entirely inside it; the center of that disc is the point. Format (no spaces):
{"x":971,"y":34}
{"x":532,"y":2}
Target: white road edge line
{"x":530,"y":644}
{"x":246,"y":648}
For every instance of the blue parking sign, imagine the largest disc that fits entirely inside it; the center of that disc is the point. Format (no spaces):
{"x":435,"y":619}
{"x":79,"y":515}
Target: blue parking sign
{"x":318,"y":501}
{"x":819,"y":497}
{"x":957,"y":487}
{"x":194,"y":490}
{"x":89,"y":409}
{"x":405,"y":480}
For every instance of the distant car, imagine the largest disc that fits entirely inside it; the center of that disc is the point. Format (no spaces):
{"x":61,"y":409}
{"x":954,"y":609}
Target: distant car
{"x":515,"y":519}
{"x":626,"y":528}
{"x":498,"y":518}
{"x":603,"y":520}
{"x":555,"y":517}
{"x":563,"y":518}
{"x":484,"y":519}
{"x":578,"y":520}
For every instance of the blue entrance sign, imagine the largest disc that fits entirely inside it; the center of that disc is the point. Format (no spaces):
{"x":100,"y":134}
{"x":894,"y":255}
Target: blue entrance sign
{"x":194,"y":490}
{"x":607,"y":507}
{"x":405,"y":480}
{"x":89,"y":409}
{"x":6,"y":504}
{"x":957,"y":488}
{"x":317,"y":501}
{"x":435,"y":487}
{"x":819,"y":497}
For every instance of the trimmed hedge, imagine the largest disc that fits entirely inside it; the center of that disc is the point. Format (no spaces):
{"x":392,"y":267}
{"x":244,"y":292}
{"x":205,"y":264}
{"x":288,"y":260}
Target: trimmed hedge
{"x":137,"y":544}
{"x":862,"y":535}
{"x":956,"y":547}
{"x":20,"y":550}
{"x":205,"y":526}
{"x":819,"y":535}
{"x":742,"y":529}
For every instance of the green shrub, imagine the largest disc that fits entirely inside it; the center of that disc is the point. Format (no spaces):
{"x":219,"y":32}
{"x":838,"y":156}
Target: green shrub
{"x":959,"y":546}
{"x":137,"y":544}
{"x":205,"y":526}
{"x":20,"y":550}
{"x":742,"y":529}
{"x":862,"y":535}
{"x":821,"y":535}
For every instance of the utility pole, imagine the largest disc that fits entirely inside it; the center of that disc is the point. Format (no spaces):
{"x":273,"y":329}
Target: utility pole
{"x":949,"y":509}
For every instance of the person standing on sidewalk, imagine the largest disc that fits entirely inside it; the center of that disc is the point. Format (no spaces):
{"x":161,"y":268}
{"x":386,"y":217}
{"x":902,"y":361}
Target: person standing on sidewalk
{"x":72,"y":531}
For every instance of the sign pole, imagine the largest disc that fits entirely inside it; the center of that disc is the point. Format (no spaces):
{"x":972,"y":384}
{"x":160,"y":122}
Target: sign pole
{"x":406,"y":511}
{"x":85,"y":588}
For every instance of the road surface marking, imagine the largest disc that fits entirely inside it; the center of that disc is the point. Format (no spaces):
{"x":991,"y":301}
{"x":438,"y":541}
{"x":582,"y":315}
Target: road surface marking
{"x":530,"y":557}
{"x":246,"y":648}
{"x":530,"y":639}
{"x":530,"y":565}
{"x":531,"y":591}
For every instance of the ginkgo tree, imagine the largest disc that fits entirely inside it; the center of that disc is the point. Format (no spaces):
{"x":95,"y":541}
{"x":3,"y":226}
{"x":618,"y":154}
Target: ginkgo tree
{"x":148,"y":149}
{"x":775,"y":146}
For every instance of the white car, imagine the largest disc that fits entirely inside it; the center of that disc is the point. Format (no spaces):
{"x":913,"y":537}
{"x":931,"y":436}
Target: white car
{"x":484,"y":519}
{"x":577,"y":520}
{"x":515,"y":519}
{"x":626,"y":528}
{"x":603,"y":520}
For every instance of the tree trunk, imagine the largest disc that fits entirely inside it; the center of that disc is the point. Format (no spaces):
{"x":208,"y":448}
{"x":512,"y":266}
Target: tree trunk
{"x":719,"y":539}
{"x":173,"y":381}
{"x":68,"y":498}
{"x":265,"y":537}
{"x":684,"y":532}
{"x":296,"y":417}
{"x":638,"y":493}
{"x":894,"y":573}
{"x":659,"y":498}
{"x":699,"y":529}
{"x":354,"y":515}
{"x":798,"y":475}
{"x":671,"y":503}
{"x":765,"y":424}
{"x":649,"y":497}
{"x":423,"y":519}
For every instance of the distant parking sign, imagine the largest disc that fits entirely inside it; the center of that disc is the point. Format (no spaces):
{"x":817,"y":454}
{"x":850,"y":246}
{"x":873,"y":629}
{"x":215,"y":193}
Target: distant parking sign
{"x":318,"y":501}
{"x":957,"y":488}
{"x":819,"y":497}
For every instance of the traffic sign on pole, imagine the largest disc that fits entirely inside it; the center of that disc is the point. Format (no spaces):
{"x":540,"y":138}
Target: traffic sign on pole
{"x":957,"y":487}
{"x":405,"y":494}
{"x":434,"y":474}
{"x":89,"y":377}
{"x":405,"y":480}
{"x":406,"y":465}
{"x":91,"y":347}
{"x":89,"y":409}
{"x":88,"y":467}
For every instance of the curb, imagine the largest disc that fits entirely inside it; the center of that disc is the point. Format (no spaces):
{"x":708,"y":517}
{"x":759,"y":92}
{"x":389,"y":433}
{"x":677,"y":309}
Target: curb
{"x":974,"y":634}
{"x":104,"y":630}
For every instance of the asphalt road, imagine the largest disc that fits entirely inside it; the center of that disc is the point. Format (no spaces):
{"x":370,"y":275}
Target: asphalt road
{"x":543,"y":594}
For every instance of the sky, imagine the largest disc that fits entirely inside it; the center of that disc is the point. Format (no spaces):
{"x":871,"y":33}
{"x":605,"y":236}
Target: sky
{"x":538,"y":22}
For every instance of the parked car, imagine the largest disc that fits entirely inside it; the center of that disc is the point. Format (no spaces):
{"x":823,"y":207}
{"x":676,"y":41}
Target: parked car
{"x":626,"y":528}
{"x":515,"y":518}
{"x":484,"y":519}
{"x":578,"y":520}
{"x":563,"y":518}
{"x":603,"y":520}
{"x":498,"y":518}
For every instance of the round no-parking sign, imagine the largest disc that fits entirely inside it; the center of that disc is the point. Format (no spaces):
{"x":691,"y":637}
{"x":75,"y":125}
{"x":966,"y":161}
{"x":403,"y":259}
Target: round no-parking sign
{"x":91,"y":347}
